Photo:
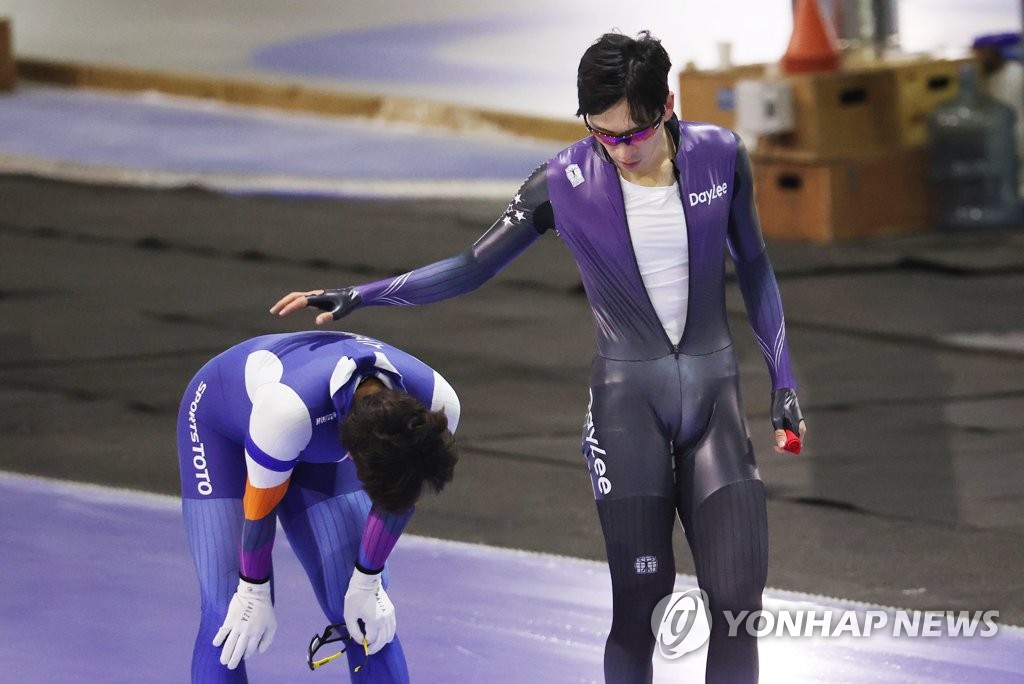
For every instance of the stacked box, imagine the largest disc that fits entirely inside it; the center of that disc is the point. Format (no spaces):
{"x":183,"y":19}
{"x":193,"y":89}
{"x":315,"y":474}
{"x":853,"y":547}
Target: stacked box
{"x":839,"y":115}
{"x":843,"y":199}
{"x":862,"y":110}
{"x":709,"y":96}
{"x":921,"y":86}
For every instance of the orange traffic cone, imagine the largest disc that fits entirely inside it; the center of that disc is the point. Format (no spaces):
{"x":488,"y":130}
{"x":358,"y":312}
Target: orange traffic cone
{"x":813,"y":45}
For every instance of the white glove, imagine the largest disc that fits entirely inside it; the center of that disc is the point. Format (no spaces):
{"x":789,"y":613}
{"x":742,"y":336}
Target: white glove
{"x":250,"y":624}
{"x":366,"y":600}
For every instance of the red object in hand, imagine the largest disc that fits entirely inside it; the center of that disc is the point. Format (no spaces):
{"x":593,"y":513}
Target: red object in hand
{"x":792,"y":442}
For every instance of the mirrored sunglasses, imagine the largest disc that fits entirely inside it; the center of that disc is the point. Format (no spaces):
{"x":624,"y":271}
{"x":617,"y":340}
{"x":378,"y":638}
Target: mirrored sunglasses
{"x":636,"y":136}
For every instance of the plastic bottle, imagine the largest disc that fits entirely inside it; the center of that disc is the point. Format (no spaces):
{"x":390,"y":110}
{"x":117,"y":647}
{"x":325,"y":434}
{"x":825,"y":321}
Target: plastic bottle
{"x":974,"y":160}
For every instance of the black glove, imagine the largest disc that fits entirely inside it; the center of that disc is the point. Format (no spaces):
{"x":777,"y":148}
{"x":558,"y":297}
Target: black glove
{"x":786,"y":415}
{"x":338,"y":302}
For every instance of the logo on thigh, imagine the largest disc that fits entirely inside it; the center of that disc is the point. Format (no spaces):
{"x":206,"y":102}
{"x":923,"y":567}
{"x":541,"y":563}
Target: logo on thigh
{"x":202,"y":471}
{"x":595,"y":455}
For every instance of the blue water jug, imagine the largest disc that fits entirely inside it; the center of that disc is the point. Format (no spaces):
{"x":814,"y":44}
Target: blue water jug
{"x":973,"y":160}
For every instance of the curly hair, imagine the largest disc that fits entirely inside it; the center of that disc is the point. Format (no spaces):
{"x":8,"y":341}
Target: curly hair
{"x":616,"y":67}
{"x":398,"y":446}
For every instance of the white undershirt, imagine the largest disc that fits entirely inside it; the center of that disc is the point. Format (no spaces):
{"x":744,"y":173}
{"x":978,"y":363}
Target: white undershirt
{"x":657,"y":227}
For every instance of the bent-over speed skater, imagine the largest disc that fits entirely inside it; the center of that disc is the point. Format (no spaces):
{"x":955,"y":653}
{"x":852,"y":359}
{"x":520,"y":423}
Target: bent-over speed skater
{"x":335,"y":434}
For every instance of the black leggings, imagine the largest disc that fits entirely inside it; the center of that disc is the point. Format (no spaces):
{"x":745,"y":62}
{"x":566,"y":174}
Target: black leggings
{"x":667,"y":439}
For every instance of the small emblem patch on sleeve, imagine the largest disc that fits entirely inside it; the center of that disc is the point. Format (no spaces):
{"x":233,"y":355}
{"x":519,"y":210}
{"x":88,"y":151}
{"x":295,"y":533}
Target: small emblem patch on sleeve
{"x":574,"y":174}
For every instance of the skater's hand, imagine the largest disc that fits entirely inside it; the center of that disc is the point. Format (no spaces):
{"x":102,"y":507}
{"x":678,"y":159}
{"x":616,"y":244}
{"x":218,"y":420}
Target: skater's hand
{"x":788,"y":421}
{"x":369,"y":611}
{"x":250,"y":625}
{"x":336,"y":303}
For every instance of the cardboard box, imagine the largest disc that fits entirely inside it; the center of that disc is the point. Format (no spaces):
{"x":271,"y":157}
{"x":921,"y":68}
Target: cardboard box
{"x":840,"y":115}
{"x":860,"y":110}
{"x":837,"y":115}
{"x":921,"y":86}
{"x":8,"y":72}
{"x":843,"y":199}
{"x":711,"y":95}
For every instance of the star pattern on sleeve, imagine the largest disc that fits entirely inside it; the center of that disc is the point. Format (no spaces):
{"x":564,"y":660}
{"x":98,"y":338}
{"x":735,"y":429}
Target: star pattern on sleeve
{"x":516,"y":212}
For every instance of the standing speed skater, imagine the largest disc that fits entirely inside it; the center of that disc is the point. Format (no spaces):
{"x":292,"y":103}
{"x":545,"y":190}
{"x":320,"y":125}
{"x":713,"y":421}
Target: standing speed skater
{"x":649,"y":207}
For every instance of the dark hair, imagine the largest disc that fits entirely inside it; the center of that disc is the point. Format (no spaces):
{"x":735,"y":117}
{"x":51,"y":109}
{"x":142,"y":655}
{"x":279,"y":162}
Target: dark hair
{"x":398,"y":445}
{"x":617,"y":67}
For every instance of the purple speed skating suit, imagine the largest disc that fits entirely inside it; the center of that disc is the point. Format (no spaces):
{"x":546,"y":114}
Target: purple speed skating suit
{"x":665,"y":433}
